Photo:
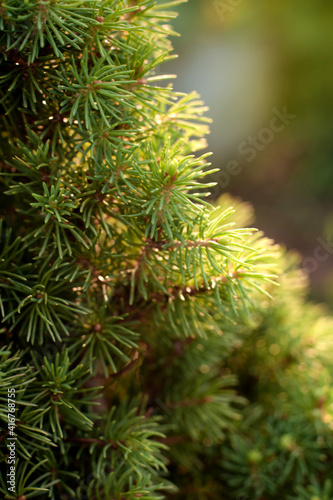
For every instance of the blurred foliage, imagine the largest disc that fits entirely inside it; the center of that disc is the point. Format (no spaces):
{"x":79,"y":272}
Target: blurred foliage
{"x":291,"y":180}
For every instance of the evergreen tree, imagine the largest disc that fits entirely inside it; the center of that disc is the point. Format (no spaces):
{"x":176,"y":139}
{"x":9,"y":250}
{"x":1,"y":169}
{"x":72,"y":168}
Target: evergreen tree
{"x":147,"y":356}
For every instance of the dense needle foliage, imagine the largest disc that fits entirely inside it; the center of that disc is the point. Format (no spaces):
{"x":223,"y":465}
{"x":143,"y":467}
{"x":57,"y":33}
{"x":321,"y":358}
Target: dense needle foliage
{"x":138,"y":330}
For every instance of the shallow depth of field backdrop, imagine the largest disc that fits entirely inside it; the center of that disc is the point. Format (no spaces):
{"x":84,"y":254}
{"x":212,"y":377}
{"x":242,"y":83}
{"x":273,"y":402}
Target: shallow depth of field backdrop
{"x":247,"y":59}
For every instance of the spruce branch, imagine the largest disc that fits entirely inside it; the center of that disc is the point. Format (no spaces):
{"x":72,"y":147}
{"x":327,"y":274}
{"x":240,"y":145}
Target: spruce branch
{"x":126,"y":294}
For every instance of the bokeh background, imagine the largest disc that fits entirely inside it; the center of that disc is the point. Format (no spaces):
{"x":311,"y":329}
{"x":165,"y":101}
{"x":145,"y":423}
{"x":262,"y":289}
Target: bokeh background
{"x":246,"y":59}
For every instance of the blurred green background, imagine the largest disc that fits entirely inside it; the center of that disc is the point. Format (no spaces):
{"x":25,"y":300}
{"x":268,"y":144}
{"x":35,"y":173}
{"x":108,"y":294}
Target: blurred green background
{"x":250,"y":60}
